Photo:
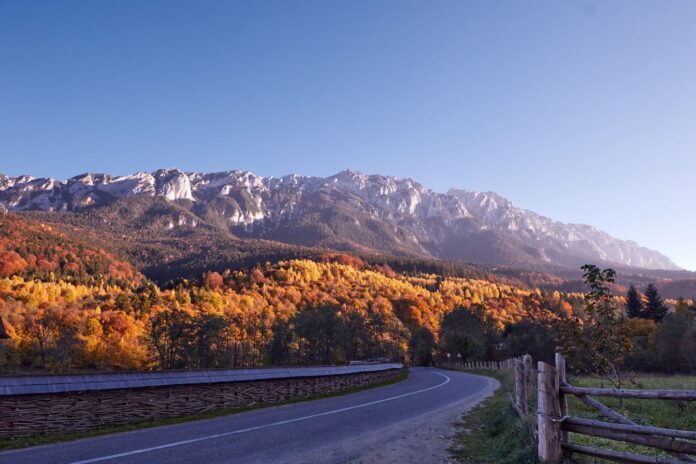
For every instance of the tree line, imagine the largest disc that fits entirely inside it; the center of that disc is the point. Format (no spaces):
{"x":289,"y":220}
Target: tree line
{"x":606,"y":335}
{"x":333,"y":310}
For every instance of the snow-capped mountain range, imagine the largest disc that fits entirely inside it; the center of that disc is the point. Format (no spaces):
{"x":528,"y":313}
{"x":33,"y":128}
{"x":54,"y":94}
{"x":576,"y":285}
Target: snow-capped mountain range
{"x":349,"y":210}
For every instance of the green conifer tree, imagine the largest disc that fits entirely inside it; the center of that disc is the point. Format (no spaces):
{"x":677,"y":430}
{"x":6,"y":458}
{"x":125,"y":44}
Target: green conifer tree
{"x":655,"y":307}
{"x":634,"y":303}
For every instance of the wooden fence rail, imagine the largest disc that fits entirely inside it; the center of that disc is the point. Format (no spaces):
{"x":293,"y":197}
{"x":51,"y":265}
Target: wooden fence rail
{"x":683,"y":395}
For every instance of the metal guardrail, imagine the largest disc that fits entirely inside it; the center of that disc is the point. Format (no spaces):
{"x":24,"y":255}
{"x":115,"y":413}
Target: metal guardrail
{"x":29,"y":385}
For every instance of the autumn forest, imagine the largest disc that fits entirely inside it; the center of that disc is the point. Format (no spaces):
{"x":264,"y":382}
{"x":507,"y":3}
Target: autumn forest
{"x":68,"y":306}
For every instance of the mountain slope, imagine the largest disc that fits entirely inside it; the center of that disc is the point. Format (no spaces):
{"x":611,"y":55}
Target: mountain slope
{"x":348,"y":211}
{"x":38,"y":250}
{"x":164,"y":239}
{"x":564,"y":244}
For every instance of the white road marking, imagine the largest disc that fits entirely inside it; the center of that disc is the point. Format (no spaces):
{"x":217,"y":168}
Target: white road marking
{"x":259,"y":427}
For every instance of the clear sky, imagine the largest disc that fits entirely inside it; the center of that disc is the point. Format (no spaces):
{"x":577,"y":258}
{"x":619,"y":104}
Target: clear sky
{"x":582,"y":111}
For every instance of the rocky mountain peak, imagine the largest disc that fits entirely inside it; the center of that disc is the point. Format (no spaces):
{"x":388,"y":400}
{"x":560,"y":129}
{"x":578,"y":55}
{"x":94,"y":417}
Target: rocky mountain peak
{"x":349,"y":210}
{"x":173,"y":184}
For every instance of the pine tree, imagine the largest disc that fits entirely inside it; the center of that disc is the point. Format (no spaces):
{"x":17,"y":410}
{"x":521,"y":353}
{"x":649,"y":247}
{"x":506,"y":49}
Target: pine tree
{"x":634,"y":303}
{"x":655,"y":307}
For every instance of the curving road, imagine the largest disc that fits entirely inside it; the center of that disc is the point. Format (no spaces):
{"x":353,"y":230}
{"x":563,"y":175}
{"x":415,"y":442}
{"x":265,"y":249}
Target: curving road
{"x":332,"y":430}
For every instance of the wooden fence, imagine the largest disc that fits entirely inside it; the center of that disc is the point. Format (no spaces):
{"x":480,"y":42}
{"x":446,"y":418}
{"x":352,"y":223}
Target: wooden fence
{"x":494,"y":365}
{"x":524,"y":378}
{"x":552,"y":423}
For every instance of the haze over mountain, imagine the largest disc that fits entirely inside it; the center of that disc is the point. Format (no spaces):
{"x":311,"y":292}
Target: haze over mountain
{"x":347,"y":211}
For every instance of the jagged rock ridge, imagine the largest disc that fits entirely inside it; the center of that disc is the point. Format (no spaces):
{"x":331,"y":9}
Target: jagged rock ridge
{"x":349,"y":210}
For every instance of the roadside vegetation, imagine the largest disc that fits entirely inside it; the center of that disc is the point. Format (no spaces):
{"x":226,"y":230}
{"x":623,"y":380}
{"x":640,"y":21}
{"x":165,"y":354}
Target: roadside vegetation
{"x":602,"y":346}
{"x":25,"y":442}
{"x":492,"y":432}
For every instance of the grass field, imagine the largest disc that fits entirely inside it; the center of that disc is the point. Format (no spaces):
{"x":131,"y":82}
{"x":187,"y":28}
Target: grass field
{"x":492,"y":432}
{"x":661,"y":413}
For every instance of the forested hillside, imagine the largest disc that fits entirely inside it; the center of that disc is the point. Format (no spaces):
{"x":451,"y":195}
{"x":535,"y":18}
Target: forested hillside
{"x":67,"y":304}
{"x":165,"y":243}
{"x":298,"y":311}
{"x":38,"y":251}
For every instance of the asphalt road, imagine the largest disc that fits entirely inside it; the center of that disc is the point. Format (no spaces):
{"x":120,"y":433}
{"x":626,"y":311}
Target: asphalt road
{"x":331,"y":430}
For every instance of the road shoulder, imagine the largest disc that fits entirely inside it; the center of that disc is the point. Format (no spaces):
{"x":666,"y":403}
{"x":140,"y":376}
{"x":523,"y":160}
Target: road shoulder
{"x":423,"y":439}
{"x":427,"y":438}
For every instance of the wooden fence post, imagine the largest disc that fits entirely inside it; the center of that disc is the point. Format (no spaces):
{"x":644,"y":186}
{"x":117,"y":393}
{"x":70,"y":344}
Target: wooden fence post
{"x":548,"y":414}
{"x":562,"y":400}
{"x":519,"y":386}
{"x":528,"y":380}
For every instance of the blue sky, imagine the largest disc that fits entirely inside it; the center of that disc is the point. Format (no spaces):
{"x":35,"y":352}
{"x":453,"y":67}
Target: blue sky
{"x":582,"y":111}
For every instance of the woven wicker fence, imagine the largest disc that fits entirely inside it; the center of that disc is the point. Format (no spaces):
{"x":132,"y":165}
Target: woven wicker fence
{"x":81,"y":404}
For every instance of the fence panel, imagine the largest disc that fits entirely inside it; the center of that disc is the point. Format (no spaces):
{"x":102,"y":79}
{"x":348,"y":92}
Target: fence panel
{"x":553,"y":410}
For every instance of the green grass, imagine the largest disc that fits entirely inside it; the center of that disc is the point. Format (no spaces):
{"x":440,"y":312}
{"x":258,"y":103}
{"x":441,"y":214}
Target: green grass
{"x":24,"y":442}
{"x":660,"y":413}
{"x":492,"y":432}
